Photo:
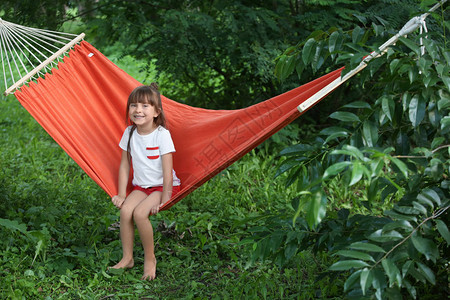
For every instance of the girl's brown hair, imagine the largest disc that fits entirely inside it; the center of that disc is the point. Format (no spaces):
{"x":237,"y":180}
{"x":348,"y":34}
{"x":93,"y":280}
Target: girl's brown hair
{"x":145,"y":94}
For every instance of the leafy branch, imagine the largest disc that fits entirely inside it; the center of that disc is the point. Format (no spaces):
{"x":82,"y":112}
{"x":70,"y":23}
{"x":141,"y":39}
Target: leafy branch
{"x":434,"y":216}
{"x":423,"y":156}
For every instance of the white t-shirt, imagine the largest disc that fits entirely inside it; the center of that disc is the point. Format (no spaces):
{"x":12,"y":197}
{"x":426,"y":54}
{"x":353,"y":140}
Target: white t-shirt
{"x":146,"y":152}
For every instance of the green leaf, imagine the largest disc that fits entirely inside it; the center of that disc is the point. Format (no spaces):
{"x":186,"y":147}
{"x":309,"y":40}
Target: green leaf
{"x":333,"y":42}
{"x":388,"y":106}
{"x":412,"y":73}
{"x":351,"y":151}
{"x":300,"y":66}
{"x":275,"y":241}
{"x":286,"y":166}
{"x":443,"y":103}
{"x":401,"y":165}
{"x":357,"y":33}
{"x":287,"y":66}
{"x":406,"y":267}
{"x":316,"y":209}
{"x":417,"y":110}
{"x":410,"y":44}
{"x":351,"y":280}
{"x":445,"y":124}
{"x":372,"y":190}
{"x":432,"y":49}
{"x":355,"y":254}
{"x":335,"y":136}
{"x":398,"y":224}
{"x":318,"y":59}
{"x":345,"y":116}
{"x":393,"y":65}
{"x":279,"y":66}
{"x":446,"y":81}
{"x":376,"y":166}
{"x":440,"y":69}
{"x":408,"y":210}
{"x":308,"y":50}
{"x":399,"y":216}
{"x":106,"y":275}
{"x":114,"y":272}
{"x":434,"y":115}
{"x":443,"y":230}
{"x":425,"y":246}
{"x":424,"y":65}
{"x":357,"y":104}
{"x":39,"y":247}
{"x":290,"y":250}
{"x":392,"y":271}
{"x":430,"y":80}
{"x":417,"y":275}
{"x":370,"y":133}
{"x":344,"y":265}
{"x":420,"y":207}
{"x":432,"y":195}
{"x":296,"y":149}
{"x":336,"y":168}
{"x":437,"y":142}
{"x":380,"y":236}
{"x":333,"y":130}
{"x":424,"y":200}
{"x":379,"y":29}
{"x":428,"y":196}
{"x":406,"y":99}
{"x":446,"y":54}
{"x":357,"y":173}
{"x":411,"y":289}
{"x":367,"y":247}
{"x":375,"y":65}
{"x":366,"y":279}
{"x":14,"y":225}
{"x":426,"y":272}
{"x":379,"y":281}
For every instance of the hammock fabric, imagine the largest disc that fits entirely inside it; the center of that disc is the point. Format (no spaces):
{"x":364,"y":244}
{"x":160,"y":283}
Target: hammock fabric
{"x":82,"y":106}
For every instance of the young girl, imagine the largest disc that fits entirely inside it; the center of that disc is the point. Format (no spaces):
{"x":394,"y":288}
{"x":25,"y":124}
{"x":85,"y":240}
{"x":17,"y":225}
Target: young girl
{"x":148,"y":145}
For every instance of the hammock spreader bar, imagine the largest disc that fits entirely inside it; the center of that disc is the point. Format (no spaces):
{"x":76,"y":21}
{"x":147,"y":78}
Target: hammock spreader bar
{"x":81,"y":104}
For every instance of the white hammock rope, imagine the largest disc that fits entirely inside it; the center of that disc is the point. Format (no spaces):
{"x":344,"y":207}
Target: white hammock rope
{"x":24,"y":48}
{"x":409,"y":27}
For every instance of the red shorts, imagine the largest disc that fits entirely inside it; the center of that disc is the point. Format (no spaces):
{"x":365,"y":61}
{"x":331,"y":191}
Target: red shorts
{"x":148,"y":191}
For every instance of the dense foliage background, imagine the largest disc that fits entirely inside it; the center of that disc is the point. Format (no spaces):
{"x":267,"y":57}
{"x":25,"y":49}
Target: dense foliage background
{"x":349,"y":201}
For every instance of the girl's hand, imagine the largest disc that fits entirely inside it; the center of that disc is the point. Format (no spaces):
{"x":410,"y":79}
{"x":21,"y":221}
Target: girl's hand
{"x":154,"y":210}
{"x":117,"y":201}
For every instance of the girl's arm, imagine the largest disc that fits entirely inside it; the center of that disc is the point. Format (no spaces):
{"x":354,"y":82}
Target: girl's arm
{"x":124,"y":173}
{"x":167,"y":167}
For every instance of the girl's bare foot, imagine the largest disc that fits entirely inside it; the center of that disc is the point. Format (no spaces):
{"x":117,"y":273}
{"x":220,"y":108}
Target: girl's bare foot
{"x":149,"y":269}
{"x":123,"y":264}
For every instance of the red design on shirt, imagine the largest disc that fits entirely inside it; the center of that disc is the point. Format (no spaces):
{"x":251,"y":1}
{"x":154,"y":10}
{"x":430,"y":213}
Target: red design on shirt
{"x":152,"y":156}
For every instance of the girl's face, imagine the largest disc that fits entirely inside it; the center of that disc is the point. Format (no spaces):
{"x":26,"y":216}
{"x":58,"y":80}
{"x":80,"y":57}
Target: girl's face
{"x":143,"y":114}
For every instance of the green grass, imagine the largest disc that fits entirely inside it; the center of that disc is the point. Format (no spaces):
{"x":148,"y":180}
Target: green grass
{"x":57,"y":231}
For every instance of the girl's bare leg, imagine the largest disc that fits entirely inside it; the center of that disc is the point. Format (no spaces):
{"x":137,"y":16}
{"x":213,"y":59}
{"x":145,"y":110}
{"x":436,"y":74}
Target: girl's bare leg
{"x":127,"y":229}
{"x":141,"y":214}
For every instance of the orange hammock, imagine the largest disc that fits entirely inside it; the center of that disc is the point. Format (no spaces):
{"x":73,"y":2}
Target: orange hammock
{"x":82,"y":106}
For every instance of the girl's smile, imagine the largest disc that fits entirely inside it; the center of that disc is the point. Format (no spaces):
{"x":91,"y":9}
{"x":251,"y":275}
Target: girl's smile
{"x":143,"y":114}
